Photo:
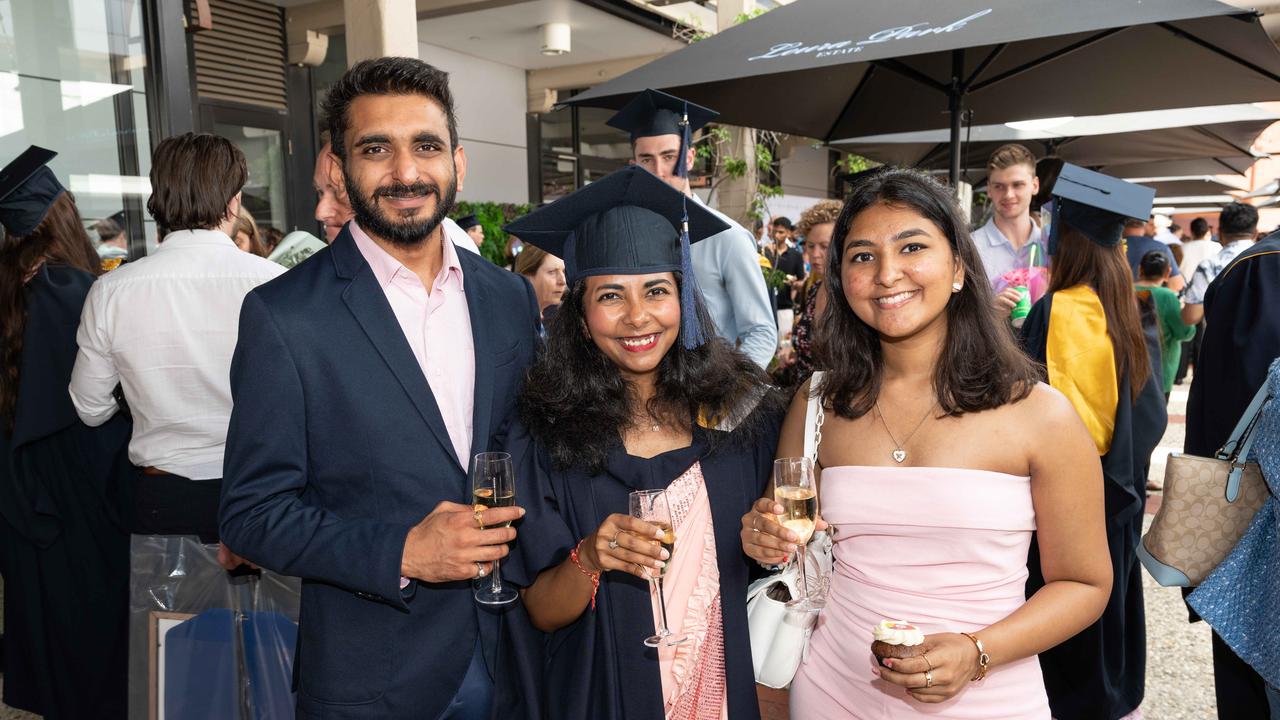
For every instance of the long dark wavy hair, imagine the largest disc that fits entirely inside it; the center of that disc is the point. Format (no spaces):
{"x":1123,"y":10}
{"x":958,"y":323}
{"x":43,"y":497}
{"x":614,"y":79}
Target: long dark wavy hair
{"x":577,"y":403}
{"x":1080,"y":261}
{"x":980,"y":368}
{"x":60,"y":239}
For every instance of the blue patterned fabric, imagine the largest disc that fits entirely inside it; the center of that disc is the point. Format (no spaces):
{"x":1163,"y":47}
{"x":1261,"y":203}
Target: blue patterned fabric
{"x":1241,"y":597}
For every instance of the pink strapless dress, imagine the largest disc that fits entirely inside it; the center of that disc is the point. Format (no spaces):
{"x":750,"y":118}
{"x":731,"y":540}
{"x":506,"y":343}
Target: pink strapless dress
{"x":943,"y":548}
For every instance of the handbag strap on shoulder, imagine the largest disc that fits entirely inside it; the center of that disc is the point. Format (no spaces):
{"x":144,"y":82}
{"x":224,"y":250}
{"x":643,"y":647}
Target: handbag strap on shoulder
{"x":813,"y":418}
{"x":1236,"y":449}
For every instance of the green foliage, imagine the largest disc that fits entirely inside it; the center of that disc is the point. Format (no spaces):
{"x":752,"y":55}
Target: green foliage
{"x":492,"y":217}
{"x":775,"y":279}
{"x":748,"y":16}
{"x":734,"y":167}
{"x":854,"y":164}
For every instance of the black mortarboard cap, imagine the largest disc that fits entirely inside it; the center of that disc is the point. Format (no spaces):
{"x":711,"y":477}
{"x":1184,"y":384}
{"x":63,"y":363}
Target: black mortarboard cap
{"x":27,"y":190}
{"x":626,"y":223}
{"x":117,"y":218}
{"x":1096,"y":205}
{"x":653,"y":112}
{"x":466,"y":222}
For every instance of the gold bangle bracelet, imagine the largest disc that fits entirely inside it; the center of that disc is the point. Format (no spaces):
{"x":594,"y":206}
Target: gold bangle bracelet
{"x":983,"y":658}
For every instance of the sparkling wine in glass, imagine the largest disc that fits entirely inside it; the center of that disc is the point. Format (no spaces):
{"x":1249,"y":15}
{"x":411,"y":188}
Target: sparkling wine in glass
{"x":795,"y":489}
{"x":652,"y":507}
{"x":493,"y":485}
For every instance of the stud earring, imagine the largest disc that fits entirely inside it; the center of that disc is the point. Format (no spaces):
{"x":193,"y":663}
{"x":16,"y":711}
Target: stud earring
{"x":955,"y":287}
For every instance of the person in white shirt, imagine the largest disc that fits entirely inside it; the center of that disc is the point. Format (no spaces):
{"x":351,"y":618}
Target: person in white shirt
{"x":163,"y":329}
{"x":1200,"y":247}
{"x":1010,"y":239}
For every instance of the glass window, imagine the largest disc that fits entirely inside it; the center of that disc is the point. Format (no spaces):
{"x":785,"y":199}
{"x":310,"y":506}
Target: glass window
{"x":72,"y":80}
{"x":264,"y":193}
{"x":597,"y":139}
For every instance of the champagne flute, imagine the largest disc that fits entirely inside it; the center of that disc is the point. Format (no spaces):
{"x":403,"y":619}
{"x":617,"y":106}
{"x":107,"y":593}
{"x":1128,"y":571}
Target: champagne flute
{"x":493,"y":486}
{"x":795,"y":489}
{"x":652,"y":507}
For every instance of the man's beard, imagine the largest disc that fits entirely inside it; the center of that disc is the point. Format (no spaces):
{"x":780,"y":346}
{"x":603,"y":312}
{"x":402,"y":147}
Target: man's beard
{"x":406,"y":233}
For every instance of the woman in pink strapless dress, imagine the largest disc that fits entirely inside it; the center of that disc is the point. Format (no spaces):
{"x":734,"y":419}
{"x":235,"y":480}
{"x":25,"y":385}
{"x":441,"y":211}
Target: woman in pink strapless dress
{"x":939,"y":455}
{"x":954,"y":563}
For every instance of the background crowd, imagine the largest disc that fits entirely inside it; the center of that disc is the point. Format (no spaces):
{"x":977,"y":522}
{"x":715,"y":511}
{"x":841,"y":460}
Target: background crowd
{"x":312,"y":406}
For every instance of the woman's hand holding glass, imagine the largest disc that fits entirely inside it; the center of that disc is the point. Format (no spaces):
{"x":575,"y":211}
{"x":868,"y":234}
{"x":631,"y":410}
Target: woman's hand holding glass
{"x":950,"y":659}
{"x":625,"y":543}
{"x":767,"y":541}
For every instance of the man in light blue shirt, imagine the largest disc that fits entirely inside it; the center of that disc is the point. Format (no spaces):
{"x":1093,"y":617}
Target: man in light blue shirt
{"x":1010,"y":239}
{"x":727,"y":265}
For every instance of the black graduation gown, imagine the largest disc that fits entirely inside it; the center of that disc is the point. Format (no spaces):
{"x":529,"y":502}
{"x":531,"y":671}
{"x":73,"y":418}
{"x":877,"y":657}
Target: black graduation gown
{"x":597,"y":668}
{"x":1241,"y":339}
{"x":63,"y":538}
{"x":1100,"y":674}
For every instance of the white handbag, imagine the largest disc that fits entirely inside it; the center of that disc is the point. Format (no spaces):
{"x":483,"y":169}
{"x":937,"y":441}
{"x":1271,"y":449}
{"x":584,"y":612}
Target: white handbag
{"x":780,"y":637}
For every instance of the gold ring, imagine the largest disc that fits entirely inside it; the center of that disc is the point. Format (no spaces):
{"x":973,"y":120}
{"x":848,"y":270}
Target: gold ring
{"x":479,"y":569}
{"x":926,"y":661}
{"x":479,"y":519}
{"x":613,"y":544}
{"x":928,"y":679}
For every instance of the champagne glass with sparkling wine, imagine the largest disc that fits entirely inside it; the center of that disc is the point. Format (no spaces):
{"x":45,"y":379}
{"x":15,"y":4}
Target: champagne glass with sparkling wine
{"x":795,"y":489}
{"x":652,"y":507}
{"x":493,"y":485}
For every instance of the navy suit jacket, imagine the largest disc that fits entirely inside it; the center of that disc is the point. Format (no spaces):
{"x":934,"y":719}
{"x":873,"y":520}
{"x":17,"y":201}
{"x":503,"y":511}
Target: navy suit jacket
{"x":336,"y":448}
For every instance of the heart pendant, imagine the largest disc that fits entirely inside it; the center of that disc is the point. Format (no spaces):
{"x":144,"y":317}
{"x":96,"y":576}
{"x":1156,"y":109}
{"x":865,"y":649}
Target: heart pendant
{"x":899,"y":455}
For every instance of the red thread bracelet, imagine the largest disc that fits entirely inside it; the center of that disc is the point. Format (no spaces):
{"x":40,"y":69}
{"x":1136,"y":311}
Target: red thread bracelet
{"x":595,"y":576}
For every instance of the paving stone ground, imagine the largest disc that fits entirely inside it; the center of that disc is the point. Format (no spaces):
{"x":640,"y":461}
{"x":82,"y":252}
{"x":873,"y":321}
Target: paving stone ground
{"x":1179,"y":664}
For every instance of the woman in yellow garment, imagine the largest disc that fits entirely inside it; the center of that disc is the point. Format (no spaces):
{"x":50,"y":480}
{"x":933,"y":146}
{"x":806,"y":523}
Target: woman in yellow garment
{"x":1088,"y":333}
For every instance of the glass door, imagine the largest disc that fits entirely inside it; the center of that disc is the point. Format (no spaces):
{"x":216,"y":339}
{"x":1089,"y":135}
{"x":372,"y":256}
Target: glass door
{"x":261,"y":136}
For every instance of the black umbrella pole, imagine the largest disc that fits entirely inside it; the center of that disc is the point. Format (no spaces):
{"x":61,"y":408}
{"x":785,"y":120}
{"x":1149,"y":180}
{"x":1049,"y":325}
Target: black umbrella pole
{"x":955,"y":100}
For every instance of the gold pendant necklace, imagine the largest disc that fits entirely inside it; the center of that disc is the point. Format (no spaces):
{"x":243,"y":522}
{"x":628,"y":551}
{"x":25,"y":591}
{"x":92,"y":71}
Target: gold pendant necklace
{"x":899,"y":454}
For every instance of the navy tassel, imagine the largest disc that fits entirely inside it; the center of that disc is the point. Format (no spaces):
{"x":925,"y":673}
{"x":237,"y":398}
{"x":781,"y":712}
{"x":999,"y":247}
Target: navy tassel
{"x":686,"y":142}
{"x":690,"y":327}
{"x":570,"y":261}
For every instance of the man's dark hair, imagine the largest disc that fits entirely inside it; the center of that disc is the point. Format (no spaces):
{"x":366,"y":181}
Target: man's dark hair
{"x":1153,"y":265}
{"x":781,"y":222}
{"x":1174,"y":228}
{"x":193,"y":178}
{"x":1199,"y":227}
{"x":980,"y":367}
{"x":1238,"y":219}
{"x":386,"y":76}
{"x":1131,"y":223}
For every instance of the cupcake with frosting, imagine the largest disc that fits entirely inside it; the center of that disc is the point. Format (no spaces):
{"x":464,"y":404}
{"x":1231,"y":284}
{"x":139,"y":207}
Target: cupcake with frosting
{"x":896,"y":639}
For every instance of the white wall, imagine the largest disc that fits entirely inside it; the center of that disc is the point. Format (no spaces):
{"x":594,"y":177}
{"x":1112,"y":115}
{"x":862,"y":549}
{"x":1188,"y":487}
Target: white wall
{"x":490,"y":101}
{"x":804,"y":172}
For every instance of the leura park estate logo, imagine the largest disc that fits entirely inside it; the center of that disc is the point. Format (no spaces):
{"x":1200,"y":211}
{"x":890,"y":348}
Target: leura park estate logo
{"x":849,"y":47}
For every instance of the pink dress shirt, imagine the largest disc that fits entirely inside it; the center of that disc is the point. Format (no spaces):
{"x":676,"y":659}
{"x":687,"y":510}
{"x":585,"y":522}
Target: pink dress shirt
{"x":437,"y":325}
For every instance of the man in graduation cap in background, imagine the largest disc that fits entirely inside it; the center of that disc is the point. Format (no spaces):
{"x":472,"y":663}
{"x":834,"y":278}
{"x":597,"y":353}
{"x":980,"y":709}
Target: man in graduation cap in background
{"x":727,"y":264}
{"x":1100,"y":673}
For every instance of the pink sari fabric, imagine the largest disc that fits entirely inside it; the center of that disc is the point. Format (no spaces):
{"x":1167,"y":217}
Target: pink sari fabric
{"x":693,"y":674}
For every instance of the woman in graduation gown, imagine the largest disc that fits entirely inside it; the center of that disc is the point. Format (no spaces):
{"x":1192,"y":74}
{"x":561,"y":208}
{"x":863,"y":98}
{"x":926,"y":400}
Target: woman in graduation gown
{"x":1088,"y":332}
{"x":635,"y":392}
{"x":64,"y":551}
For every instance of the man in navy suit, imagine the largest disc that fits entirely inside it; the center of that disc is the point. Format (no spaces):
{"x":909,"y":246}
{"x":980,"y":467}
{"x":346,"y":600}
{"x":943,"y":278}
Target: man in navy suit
{"x":364,"y":380}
